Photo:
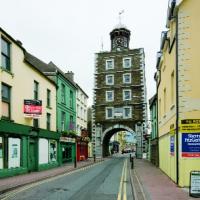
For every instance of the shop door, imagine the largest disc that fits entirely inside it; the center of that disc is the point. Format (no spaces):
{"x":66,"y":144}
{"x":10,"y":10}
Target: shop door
{"x":32,"y":155}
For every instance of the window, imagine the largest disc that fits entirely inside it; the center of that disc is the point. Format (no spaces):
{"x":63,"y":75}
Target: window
{"x":126,"y":95}
{"x":5,"y":93}
{"x":5,"y":54}
{"x":48,"y":97}
{"x":159,"y":109}
{"x":63,"y":93}
{"x":36,"y":90}
{"x":109,"y":113}
{"x":164,"y":101}
{"x":127,"y":112}
{"x":172,"y":88}
{"x":127,"y":78}
{"x":78,"y":112}
{"x":62,"y":121}
{"x":1,"y":153}
{"x":109,"y":64}
{"x":71,"y":123}
{"x":48,"y":121}
{"x":71,"y":99}
{"x":36,"y":123}
{"x":109,"y":79}
{"x":126,"y":62}
{"x":109,"y":95}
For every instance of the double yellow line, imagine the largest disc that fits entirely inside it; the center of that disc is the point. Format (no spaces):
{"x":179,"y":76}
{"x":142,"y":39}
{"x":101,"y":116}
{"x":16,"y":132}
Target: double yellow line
{"x":123,"y":181}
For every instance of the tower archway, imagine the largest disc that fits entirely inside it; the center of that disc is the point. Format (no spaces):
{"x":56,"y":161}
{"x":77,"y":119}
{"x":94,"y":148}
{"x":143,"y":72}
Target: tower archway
{"x":108,"y":133}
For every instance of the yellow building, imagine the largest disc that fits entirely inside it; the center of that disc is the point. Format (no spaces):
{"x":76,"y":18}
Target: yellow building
{"x":178,"y":91}
{"x":28,"y":140}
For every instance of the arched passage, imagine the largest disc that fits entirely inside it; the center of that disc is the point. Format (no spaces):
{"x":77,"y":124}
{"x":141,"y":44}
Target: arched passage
{"x":108,"y":133}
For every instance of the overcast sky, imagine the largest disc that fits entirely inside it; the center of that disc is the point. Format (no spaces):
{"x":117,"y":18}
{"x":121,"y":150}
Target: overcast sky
{"x":69,"y":33}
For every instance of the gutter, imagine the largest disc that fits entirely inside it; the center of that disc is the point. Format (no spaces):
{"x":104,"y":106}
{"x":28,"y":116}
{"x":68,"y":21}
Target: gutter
{"x":177,"y":105}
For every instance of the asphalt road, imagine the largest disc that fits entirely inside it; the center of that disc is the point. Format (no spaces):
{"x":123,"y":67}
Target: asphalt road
{"x":109,"y":180}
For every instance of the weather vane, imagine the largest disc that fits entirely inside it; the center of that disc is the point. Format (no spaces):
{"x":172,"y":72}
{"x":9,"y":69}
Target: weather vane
{"x":120,"y":18}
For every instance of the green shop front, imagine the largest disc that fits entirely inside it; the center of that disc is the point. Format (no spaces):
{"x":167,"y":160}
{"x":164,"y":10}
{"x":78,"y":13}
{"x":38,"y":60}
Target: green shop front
{"x":67,"y":149}
{"x":24,"y":149}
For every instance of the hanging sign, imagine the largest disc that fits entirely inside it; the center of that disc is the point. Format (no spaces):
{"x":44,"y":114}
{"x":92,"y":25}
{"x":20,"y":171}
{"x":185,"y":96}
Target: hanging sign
{"x":33,"y":108}
{"x":195,"y":184}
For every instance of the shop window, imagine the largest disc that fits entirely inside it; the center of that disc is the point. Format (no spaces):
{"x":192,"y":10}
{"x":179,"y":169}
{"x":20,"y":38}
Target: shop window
{"x":52,"y":150}
{"x":14,"y":152}
{"x":43,"y":151}
{"x":1,"y":153}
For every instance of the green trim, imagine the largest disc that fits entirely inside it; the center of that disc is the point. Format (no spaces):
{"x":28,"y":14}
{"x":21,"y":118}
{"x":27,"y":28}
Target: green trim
{"x":42,"y":167}
{"x":12,"y":171}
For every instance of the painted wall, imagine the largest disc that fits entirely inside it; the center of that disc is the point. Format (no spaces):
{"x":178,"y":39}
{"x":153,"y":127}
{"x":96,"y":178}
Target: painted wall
{"x":21,"y":79}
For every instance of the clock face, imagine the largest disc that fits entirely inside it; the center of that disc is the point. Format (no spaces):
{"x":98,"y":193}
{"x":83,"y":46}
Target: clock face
{"x":119,"y":41}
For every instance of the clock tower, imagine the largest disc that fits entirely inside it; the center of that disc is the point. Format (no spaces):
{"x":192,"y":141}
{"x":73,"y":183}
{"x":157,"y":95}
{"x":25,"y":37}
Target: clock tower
{"x":120,"y":37}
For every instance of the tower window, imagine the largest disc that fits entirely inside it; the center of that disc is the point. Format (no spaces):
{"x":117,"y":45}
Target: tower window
{"x":127,"y":78}
{"x":109,"y":112}
{"x":110,"y":79}
{"x":110,"y":64}
{"x":109,"y":95}
{"x":127,"y":112}
{"x":126,"y":62}
{"x":126,"y":95}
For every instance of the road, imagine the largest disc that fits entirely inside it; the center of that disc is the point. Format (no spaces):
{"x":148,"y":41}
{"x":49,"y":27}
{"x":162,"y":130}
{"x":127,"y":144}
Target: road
{"x":109,"y":180}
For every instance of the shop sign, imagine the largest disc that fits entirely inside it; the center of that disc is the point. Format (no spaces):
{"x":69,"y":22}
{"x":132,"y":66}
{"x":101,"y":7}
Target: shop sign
{"x":32,"y":108}
{"x":190,"y":126}
{"x":66,"y":139}
{"x":172,"y":139}
{"x":191,"y":145}
{"x":195,"y":184}
{"x":172,"y":131}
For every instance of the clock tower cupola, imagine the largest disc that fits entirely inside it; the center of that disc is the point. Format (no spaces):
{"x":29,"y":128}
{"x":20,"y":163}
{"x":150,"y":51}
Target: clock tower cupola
{"x":120,"y":37}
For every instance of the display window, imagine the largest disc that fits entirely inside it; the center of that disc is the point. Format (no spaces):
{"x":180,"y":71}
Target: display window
{"x":1,"y":153}
{"x":43,"y":151}
{"x":52,"y":151}
{"x":14,"y":152}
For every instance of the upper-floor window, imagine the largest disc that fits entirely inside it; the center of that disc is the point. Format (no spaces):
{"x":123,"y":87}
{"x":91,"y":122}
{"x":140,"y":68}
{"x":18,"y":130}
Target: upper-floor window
{"x":36,"y":90}
{"x":36,"y":123}
{"x":126,"y":95}
{"x":48,"y":97}
{"x":109,"y":95}
{"x":5,"y":96}
{"x":109,"y":112}
{"x":127,"y":78}
{"x":172,"y":88}
{"x":63,"y":121}
{"x":127,"y":112}
{"x":48,"y":121}
{"x":5,"y":54}
{"x":71,"y":123}
{"x":62,"y":93}
{"x":126,"y":62}
{"x":110,"y":64}
{"x":110,"y":79}
{"x":71,"y":99}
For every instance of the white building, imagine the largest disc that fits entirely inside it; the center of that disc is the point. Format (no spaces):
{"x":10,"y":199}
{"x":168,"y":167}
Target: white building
{"x":81,"y":110}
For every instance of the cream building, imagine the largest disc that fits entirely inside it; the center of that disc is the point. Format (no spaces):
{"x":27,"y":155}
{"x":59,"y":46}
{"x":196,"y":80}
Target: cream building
{"x":81,"y":108}
{"x":178,"y":83}
{"x":28,"y":141}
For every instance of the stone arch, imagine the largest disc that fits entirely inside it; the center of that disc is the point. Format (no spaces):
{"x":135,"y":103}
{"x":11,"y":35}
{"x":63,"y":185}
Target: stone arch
{"x":109,"y":132}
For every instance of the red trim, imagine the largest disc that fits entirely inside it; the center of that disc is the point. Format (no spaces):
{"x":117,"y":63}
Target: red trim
{"x":193,"y":155}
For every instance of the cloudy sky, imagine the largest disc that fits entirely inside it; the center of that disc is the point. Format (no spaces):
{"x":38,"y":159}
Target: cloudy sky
{"x":69,"y":33}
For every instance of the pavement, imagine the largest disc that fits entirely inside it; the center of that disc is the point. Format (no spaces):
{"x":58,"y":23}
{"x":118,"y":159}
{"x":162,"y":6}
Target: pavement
{"x":150,"y":183}
{"x":11,"y":183}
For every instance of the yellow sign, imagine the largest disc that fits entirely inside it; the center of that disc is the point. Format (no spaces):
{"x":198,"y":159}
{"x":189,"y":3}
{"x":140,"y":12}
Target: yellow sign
{"x":172,"y":130}
{"x":190,"y":126}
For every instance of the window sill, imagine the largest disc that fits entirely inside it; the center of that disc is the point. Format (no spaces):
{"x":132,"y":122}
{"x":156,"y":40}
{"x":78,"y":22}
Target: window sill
{"x":5,"y":70}
{"x":172,"y":107}
{"x":49,"y":107}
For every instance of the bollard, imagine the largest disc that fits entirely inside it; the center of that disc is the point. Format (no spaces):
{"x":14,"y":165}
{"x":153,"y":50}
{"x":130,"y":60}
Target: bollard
{"x":132,"y":163}
{"x":75,"y":164}
{"x":94,"y":158}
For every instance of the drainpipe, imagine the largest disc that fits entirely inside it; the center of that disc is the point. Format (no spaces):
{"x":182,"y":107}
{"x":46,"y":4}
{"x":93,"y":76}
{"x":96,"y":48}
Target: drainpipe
{"x":177,"y":106}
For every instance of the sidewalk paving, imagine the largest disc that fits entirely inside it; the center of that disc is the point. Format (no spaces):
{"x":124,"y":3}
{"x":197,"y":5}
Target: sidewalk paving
{"x":10,"y":183}
{"x":154,"y":184}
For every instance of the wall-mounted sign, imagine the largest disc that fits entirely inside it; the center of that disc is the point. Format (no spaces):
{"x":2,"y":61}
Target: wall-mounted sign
{"x":191,"y":145}
{"x":172,"y":139}
{"x":190,"y":126}
{"x":66,"y":139}
{"x":33,"y":108}
{"x":195,"y":183}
